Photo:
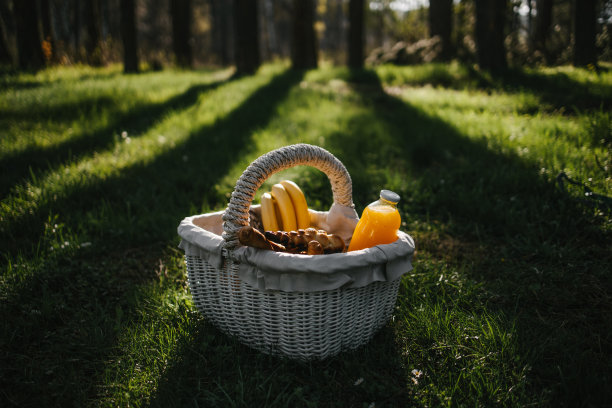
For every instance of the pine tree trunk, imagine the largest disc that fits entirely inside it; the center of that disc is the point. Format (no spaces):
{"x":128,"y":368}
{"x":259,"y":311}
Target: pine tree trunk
{"x":304,"y":41}
{"x":221,"y":15}
{"x":128,"y":36}
{"x":30,"y":55}
{"x":76,"y":29}
{"x":47,"y":31}
{"x":585,"y":16}
{"x":543,"y":23}
{"x":246,"y":37}
{"x":180,"y":11}
{"x":6,"y":57}
{"x":5,"y":54}
{"x":268,"y":12}
{"x":441,"y":24}
{"x":355,"y":34}
{"x":490,"y":32}
{"x":93,"y":46}
{"x":8,"y":53}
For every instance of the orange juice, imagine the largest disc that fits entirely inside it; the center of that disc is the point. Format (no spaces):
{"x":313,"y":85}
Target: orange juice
{"x":378,"y":224}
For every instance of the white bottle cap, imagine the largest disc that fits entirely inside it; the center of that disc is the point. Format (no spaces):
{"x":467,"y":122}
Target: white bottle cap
{"x":390,"y":196}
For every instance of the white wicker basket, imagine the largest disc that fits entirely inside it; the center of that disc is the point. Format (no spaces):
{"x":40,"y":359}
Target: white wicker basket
{"x":300,"y":325}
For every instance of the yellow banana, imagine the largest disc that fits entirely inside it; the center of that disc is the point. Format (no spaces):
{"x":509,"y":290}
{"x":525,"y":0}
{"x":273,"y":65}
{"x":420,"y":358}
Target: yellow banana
{"x":268,"y":213}
{"x":299,"y":203}
{"x":285,"y":206}
{"x":279,"y":220}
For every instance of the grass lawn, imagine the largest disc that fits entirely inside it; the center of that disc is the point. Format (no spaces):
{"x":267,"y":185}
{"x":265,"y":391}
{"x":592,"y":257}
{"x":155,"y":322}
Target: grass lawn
{"x":510,"y":300}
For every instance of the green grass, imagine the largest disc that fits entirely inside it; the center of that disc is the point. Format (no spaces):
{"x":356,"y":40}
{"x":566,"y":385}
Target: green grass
{"x":509,"y":303}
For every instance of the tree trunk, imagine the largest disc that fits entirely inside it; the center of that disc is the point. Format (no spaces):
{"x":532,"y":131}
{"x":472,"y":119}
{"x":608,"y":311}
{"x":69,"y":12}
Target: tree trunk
{"x":128,"y":36}
{"x":304,"y":40}
{"x":246,"y":37}
{"x":47,"y":31}
{"x":30,"y":55}
{"x":6,"y":54}
{"x":337,"y":33}
{"x":585,"y":16}
{"x":181,"y":32}
{"x":355,"y":34}
{"x":543,"y":23}
{"x":283,"y":24}
{"x":272,"y":42}
{"x":93,"y":45}
{"x":441,"y":24}
{"x":76,"y":29}
{"x":222,"y":41}
{"x":490,"y":31}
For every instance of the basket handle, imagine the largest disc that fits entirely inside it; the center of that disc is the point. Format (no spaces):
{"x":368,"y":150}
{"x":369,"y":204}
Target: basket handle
{"x":237,"y":213}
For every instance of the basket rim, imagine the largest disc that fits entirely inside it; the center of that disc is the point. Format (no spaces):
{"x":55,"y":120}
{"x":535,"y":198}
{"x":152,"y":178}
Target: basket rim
{"x":268,"y":270}
{"x":404,"y":245}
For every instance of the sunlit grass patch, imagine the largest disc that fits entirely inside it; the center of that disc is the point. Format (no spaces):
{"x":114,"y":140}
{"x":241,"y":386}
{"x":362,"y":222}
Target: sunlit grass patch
{"x":514,"y":124}
{"x":167,"y":132}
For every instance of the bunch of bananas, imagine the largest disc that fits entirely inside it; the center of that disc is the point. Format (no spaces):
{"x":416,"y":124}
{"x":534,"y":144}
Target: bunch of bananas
{"x":284,"y":208}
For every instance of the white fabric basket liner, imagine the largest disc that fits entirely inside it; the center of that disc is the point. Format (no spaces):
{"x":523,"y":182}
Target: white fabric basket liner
{"x":268,"y":270}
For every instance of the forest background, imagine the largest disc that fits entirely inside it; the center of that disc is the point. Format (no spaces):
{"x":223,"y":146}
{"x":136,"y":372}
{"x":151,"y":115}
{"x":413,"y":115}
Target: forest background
{"x":151,"y":34}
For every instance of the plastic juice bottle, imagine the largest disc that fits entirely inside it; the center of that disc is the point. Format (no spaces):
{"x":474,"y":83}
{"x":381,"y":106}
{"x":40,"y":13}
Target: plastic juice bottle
{"x":378,"y":224}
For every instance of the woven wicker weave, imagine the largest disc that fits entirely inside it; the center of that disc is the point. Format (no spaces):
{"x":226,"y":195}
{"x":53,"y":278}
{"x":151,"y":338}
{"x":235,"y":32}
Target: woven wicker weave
{"x":297,"y":325}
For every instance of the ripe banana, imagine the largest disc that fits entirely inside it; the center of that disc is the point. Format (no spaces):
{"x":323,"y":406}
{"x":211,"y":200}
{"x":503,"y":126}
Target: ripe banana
{"x":268,"y":213}
{"x":287,"y":212}
{"x":299,"y":204}
{"x":277,"y":212}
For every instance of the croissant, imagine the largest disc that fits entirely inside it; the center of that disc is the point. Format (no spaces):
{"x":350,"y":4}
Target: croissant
{"x":299,"y":240}
{"x":309,"y":241}
{"x":249,"y":236}
{"x":314,"y":248}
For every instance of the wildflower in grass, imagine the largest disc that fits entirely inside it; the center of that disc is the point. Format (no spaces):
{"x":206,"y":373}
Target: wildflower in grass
{"x":416,"y":374}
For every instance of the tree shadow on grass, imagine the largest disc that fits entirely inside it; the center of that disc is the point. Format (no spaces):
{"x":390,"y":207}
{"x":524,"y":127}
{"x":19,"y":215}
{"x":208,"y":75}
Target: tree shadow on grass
{"x":208,"y":368}
{"x":495,"y":207}
{"x":11,"y":78}
{"x":542,"y":259}
{"x":61,"y":319}
{"x":151,"y":188}
{"x":83,"y":299}
{"x":558,"y":90}
{"x":17,"y":168}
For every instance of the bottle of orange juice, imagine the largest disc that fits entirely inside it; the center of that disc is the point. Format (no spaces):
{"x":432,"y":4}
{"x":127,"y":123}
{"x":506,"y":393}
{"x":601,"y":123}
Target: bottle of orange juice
{"x":378,"y":224}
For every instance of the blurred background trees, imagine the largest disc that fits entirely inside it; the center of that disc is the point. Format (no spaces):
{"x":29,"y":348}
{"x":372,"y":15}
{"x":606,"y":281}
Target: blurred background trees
{"x":181,"y":14}
{"x":245,"y":33}
{"x":490,"y":34}
{"x":304,"y":49}
{"x":246,"y":44}
{"x":128,"y":36}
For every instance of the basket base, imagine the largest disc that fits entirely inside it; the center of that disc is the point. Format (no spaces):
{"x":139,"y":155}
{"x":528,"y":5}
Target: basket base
{"x":296,"y":325}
